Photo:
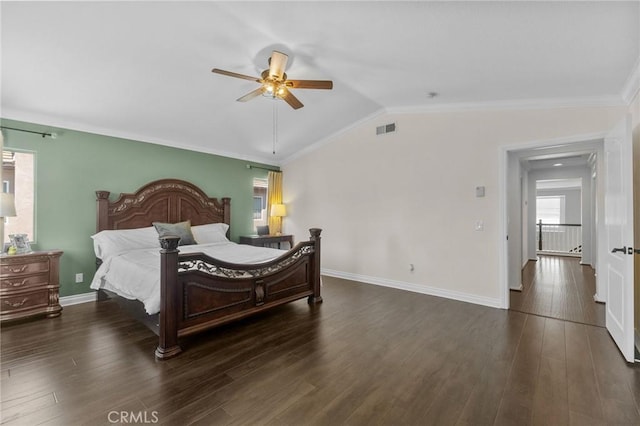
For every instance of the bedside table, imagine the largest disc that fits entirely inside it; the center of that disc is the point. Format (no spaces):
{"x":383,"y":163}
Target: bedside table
{"x":29,"y":285}
{"x":267,"y":240}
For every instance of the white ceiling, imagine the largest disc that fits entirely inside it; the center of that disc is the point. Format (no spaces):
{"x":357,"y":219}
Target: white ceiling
{"x":142,"y":70}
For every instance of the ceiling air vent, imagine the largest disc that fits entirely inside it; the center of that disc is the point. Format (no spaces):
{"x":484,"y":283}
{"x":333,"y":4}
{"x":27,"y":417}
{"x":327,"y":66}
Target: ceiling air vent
{"x":387,"y":128}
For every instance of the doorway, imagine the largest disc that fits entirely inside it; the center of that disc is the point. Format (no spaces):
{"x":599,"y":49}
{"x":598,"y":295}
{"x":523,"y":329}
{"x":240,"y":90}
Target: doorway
{"x":611,"y":227}
{"x":522,"y":168}
{"x":554,"y":276}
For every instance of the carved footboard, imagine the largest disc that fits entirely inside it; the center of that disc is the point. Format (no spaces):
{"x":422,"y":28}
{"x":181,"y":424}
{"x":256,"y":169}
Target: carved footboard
{"x":199,"y":292}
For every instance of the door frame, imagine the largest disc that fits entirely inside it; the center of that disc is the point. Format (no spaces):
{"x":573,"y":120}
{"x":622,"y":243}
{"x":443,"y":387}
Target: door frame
{"x":570,"y":143}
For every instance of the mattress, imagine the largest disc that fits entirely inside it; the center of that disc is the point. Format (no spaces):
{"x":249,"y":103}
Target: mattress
{"x":135,"y":274}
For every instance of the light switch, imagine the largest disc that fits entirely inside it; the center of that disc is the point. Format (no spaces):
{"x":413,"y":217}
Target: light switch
{"x":479,"y":191}
{"x":479,"y":225}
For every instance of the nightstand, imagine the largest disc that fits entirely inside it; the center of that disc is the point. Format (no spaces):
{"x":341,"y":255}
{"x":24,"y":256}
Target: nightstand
{"x":267,"y":240}
{"x":29,"y":285}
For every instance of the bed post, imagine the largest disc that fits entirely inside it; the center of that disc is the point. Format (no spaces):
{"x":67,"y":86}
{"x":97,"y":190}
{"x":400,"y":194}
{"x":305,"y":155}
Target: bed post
{"x":168,"y":333}
{"x":315,"y":270}
{"x":102,"y":201}
{"x":226,"y":205}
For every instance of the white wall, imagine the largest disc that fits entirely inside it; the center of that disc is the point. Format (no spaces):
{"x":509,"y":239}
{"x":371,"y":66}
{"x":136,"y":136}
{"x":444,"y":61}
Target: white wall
{"x":409,"y":198}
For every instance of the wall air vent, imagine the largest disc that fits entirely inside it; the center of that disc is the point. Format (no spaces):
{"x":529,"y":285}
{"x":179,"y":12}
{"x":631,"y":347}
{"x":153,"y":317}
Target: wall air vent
{"x":387,"y":128}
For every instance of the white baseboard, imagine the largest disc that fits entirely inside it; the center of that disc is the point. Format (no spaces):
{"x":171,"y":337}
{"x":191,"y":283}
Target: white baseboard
{"x":401,"y":285}
{"x":78,"y":298}
{"x":519,"y":288}
{"x":598,"y":298}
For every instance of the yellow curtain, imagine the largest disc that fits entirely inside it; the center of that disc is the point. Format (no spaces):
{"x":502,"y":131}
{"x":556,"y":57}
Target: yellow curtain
{"x":274,"y":196}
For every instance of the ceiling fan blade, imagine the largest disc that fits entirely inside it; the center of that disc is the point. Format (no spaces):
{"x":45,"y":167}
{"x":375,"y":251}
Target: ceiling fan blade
{"x":310,"y":84}
{"x":277,"y":64}
{"x":251,"y":95}
{"x":292,"y":100}
{"x":235,"y":74}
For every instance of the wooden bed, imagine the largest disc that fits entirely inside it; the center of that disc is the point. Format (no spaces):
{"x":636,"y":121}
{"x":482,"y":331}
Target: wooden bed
{"x":199,"y":292}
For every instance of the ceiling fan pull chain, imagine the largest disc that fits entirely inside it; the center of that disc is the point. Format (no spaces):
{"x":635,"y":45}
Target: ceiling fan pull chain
{"x":275,"y":124}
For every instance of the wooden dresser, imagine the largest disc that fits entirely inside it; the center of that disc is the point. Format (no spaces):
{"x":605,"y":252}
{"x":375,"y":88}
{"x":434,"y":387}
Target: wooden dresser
{"x":29,"y":285}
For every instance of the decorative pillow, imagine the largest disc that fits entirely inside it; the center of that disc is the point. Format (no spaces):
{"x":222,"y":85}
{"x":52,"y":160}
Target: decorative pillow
{"x":180,"y":229}
{"x":110,"y":242}
{"x":210,"y":233}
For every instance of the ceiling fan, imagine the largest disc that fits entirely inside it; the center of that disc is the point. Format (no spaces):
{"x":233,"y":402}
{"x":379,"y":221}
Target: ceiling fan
{"x":274,"y":82}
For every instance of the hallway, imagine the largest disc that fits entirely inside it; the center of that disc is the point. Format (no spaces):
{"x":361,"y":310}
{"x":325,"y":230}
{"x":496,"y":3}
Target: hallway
{"x":559,"y":287}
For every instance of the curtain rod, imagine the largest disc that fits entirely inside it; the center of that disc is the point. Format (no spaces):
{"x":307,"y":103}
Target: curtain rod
{"x":43,"y":134}
{"x":249,"y":166}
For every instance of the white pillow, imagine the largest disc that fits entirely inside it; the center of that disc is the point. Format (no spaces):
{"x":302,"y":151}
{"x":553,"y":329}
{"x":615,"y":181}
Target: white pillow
{"x":210,"y":233}
{"x":111,"y":242}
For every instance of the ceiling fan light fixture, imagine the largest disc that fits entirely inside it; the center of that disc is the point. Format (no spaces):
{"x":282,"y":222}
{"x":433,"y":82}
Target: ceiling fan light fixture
{"x":275,"y":83}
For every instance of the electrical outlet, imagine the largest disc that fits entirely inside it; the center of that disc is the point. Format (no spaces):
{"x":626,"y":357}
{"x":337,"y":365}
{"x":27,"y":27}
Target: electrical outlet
{"x":79,"y":277}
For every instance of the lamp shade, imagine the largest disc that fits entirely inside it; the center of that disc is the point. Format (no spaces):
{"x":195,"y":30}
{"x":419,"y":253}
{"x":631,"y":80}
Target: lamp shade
{"x":278,"y":210}
{"x":7,"y":205}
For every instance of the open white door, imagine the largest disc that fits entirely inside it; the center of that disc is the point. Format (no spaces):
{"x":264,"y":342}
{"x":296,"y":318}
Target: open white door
{"x":617,"y":251}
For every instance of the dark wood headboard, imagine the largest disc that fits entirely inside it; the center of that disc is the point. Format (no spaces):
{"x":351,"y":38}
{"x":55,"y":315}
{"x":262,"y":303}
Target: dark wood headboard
{"x":165,"y":200}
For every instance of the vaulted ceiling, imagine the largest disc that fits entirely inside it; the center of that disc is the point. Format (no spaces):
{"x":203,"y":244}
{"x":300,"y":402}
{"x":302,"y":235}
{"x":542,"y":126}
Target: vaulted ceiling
{"x":142,"y":70}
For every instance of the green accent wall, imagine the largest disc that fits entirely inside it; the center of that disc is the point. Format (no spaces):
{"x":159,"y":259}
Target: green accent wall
{"x":70,"y":168}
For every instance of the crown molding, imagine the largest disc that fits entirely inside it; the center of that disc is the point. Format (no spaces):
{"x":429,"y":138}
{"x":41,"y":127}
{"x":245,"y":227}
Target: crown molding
{"x":630,"y":90}
{"x":604,"y":101}
{"x":632,"y":86}
{"x":63,"y":124}
{"x":593,"y":101}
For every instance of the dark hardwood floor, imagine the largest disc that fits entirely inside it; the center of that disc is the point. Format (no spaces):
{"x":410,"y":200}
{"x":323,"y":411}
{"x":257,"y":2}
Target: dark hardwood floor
{"x":367,"y":356}
{"x":559,"y":287}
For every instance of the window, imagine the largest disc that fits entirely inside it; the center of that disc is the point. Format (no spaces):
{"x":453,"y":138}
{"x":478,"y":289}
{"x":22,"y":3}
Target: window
{"x":259,"y":202}
{"x":18,"y":178}
{"x":550,"y":209}
{"x":258,"y":207}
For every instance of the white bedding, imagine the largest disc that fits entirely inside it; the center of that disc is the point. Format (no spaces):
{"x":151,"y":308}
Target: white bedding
{"x":135,"y":274}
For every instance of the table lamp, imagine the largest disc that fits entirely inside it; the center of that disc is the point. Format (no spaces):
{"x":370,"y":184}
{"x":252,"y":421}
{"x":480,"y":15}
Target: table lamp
{"x":279,"y":211}
{"x":7,"y":209}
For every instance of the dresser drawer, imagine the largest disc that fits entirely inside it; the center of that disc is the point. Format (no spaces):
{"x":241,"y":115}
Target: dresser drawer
{"x":15,"y":269}
{"x":16,"y":283}
{"x":24,"y":301}
{"x":29,"y":285}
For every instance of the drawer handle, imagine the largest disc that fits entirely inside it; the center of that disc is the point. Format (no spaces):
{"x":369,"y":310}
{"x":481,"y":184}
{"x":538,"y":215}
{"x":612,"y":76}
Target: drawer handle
{"x":16,"y":283}
{"x":16,"y":304}
{"x":18,"y":270}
